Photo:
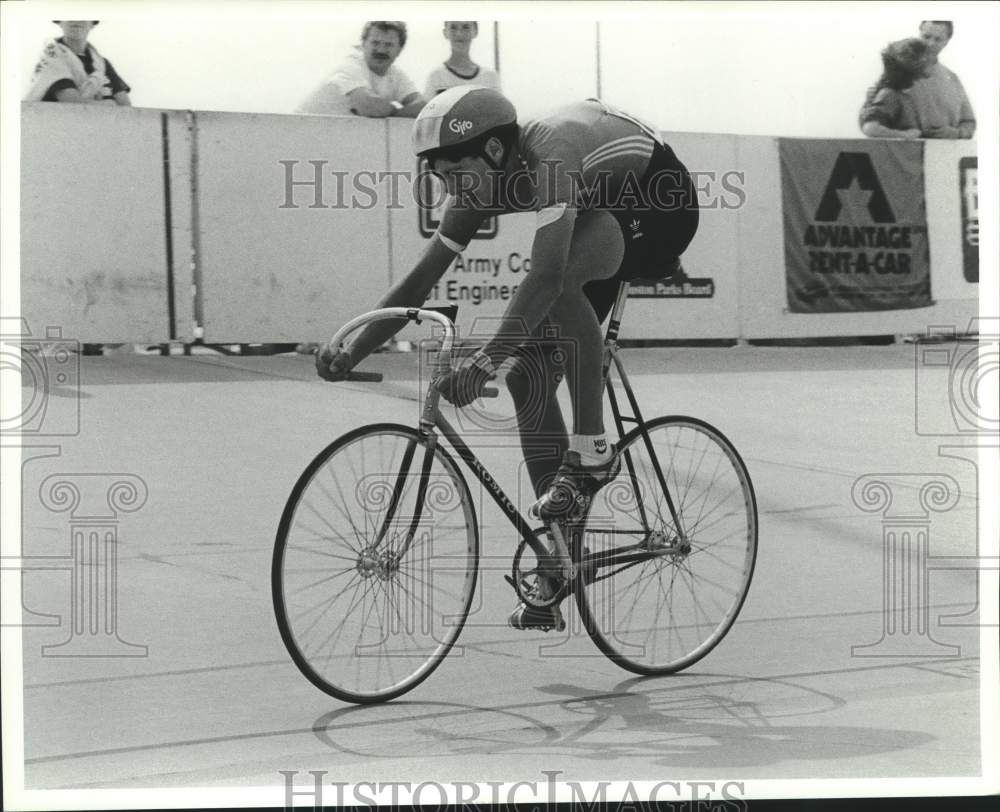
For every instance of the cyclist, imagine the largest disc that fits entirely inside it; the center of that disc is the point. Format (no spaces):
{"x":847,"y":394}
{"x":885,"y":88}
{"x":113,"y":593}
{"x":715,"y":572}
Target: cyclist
{"x":613,"y":202}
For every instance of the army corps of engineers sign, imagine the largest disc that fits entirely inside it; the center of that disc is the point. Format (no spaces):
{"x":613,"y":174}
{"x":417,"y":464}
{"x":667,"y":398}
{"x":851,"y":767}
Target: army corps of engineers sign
{"x":855,"y":225}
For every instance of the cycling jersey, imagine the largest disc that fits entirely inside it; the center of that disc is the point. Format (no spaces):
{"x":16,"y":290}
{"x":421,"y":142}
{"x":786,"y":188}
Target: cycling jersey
{"x":584,"y":154}
{"x":589,"y":156}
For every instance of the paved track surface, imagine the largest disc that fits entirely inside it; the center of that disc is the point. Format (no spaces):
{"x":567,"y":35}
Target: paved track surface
{"x":219,"y":442}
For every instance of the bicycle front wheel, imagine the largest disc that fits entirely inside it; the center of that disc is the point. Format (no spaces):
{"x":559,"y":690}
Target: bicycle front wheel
{"x":375,"y":563}
{"x":669,"y":547}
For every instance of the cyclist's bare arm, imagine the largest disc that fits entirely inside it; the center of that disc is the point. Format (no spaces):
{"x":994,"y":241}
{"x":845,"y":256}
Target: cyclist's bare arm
{"x":415,"y":287}
{"x":539,"y":289}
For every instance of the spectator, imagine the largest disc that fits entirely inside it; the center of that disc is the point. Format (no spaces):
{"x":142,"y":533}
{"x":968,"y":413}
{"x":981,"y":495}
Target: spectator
{"x":889,"y":111}
{"x":942,"y":106}
{"x":71,"y":70}
{"x":459,"y":69}
{"x":367,"y":83}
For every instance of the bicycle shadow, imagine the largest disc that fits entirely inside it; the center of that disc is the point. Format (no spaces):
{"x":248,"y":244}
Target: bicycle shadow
{"x":736,"y":722}
{"x":723,"y":724}
{"x":409,"y":729}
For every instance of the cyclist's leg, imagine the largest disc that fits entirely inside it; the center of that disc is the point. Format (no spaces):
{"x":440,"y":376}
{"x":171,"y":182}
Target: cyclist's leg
{"x":533,"y":379}
{"x":595,"y":253}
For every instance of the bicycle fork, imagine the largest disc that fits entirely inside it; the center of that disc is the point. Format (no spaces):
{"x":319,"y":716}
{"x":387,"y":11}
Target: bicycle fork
{"x":390,"y":560}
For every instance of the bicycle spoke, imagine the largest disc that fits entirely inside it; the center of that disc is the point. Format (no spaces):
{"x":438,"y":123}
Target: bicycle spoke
{"x":363,"y":620}
{"x":664,"y":611}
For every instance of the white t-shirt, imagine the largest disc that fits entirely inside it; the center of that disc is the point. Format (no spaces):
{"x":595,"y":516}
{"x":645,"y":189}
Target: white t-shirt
{"x":330,"y":97}
{"x":443,"y":77}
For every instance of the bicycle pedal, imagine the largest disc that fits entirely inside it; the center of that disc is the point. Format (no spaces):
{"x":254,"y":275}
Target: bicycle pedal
{"x":529,"y":617}
{"x":561,"y":626}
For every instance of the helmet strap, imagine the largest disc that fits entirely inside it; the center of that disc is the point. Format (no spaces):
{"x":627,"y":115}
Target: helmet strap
{"x":494,"y":165}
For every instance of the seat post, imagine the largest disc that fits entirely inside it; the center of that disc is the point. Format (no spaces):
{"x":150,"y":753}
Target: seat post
{"x":616,"y":313}
{"x":610,"y":348}
{"x":611,"y":336}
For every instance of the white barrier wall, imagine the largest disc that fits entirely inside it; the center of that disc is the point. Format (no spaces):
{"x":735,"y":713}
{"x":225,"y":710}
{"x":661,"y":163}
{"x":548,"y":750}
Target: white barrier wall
{"x":287,"y":247}
{"x":93,"y":234}
{"x":289,"y":225}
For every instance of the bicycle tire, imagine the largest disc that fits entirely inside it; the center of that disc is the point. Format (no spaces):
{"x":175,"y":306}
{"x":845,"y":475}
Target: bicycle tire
{"x":441,"y":565}
{"x":677,"y":624}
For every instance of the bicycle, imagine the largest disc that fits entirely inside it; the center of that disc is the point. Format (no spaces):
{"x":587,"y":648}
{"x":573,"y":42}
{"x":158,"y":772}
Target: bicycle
{"x":372,"y":587}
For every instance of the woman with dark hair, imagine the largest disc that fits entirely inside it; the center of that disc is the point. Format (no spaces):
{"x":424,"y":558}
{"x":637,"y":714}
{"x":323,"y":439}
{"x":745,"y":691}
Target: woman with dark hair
{"x":888,"y":111}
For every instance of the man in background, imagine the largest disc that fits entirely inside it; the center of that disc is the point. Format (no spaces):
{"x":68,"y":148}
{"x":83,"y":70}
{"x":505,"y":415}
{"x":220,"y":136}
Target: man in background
{"x":367,"y":83}
{"x":942,"y":106}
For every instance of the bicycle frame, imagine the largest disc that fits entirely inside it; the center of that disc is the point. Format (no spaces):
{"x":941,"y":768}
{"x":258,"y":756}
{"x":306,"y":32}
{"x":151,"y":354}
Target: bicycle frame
{"x":432,"y":421}
{"x":611,"y":355}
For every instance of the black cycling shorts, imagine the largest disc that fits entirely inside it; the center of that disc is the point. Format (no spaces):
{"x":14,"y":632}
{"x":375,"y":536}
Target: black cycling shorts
{"x":657,"y":229}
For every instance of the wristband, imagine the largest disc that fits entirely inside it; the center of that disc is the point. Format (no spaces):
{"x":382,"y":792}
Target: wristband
{"x":396,"y":105}
{"x":482,"y":360}
{"x":451,"y":244}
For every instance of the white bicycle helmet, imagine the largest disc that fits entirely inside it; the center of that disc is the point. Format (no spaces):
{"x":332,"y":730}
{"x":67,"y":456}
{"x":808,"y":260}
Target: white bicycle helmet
{"x":458,"y":116}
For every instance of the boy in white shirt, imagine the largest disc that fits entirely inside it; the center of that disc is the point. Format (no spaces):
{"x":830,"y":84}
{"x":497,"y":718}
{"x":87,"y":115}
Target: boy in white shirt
{"x":459,"y":69}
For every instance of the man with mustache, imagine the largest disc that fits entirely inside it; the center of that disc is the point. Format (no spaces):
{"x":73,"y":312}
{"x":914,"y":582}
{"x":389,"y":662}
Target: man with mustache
{"x":367,"y":83}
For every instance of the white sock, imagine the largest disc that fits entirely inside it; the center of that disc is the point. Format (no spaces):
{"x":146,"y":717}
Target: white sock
{"x":594,"y":449}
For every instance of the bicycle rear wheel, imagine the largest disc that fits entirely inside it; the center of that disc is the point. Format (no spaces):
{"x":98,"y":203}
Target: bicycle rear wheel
{"x":668,"y":584}
{"x":365,"y":615}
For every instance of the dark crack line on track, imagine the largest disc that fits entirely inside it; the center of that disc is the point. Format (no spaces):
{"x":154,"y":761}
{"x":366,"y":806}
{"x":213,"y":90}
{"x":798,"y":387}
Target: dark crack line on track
{"x":479,"y":645}
{"x":717,"y":680}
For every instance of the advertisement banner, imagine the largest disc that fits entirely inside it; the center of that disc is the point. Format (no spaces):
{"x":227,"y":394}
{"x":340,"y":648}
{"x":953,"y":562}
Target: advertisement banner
{"x":968,"y":181}
{"x":855,"y":225}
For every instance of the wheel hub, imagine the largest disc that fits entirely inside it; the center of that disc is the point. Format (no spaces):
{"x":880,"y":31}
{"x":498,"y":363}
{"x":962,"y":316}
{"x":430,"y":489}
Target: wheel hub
{"x":661,"y":543}
{"x":381,"y":564}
